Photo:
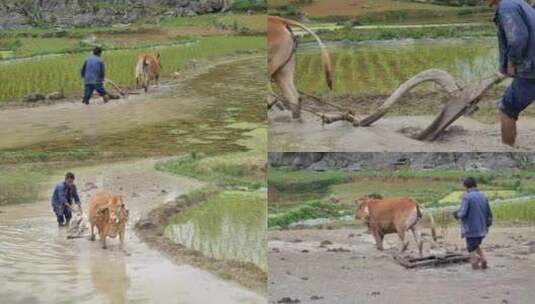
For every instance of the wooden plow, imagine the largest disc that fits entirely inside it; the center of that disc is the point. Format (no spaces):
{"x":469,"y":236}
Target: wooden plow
{"x":432,"y":260}
{"x":461,"y":101}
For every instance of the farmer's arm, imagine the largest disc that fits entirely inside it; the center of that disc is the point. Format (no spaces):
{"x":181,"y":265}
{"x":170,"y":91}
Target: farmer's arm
{"x":75,"y":195}
{"x":516,"y":33}
{"x":83,"y":69}
{"x":102,"y":71}
{"x":490,"y":217}
{"x":463,"y":211}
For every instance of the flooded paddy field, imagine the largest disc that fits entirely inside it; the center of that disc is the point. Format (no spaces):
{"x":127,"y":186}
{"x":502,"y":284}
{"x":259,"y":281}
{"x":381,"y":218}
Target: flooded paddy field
{"x":367,"y":73}
{"x":228,"y":226}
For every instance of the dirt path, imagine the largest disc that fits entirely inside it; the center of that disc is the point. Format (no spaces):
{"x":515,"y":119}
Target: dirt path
{"x":389,"y":135}
{"x":39,"y":265}
{"x":351,"y":270}
{"x":173,"y":100}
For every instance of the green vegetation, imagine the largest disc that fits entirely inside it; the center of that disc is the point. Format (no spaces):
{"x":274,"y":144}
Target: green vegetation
{"x":515,"y":212}
{"x":63,"y":72}
{"x":350,"y":34}
{"x":230,"y":225}
{"x":21,"y":184}
{"x":305,"y":211}
{"x":381,"y":11}
{"x":361,"y":69}
{"x":230,"y":170}
{"x":306,"y":193}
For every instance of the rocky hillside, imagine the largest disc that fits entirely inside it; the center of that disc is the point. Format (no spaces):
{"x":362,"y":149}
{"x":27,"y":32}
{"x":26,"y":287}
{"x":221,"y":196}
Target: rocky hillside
{"x":362,"y":161}
{"x":31,"y":13}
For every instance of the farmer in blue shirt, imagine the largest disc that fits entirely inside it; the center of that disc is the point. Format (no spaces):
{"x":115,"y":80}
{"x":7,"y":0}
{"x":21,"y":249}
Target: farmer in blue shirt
{"x":93,"y":73}
{"x":476,"y":218}
{"x":64,"y":195}
{"x":515,"y":20}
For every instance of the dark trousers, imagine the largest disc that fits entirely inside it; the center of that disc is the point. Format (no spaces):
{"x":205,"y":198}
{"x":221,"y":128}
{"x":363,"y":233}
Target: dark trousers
{"x":517,"y":97}
{"x":90,"y":88}
{"x":63,"y":214}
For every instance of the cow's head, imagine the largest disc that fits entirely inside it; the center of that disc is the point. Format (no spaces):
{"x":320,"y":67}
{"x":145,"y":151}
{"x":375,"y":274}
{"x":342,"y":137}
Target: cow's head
{"x":116,"y":210}
{"x":363,"y":210}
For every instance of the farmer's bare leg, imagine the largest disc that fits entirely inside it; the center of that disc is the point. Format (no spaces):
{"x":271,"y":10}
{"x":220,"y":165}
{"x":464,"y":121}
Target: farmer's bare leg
{"x":482,"y":258}
{"x":474,"y":259}
{"x":508,"y":126}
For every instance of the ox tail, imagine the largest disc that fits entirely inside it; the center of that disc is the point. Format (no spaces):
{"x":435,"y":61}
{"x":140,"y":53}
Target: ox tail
{"x":325,"y":57}
{"x":139,"y":70}
{"x":431,"y":221}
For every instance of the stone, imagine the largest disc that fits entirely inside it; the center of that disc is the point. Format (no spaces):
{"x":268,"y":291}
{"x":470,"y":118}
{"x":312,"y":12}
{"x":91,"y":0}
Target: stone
{"x":35,"y":97}
{"x":55,"y":96}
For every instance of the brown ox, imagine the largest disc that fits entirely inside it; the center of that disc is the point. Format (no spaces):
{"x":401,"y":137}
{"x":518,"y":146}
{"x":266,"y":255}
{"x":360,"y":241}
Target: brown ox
{"x":392,"y":215}
{"x":109,"y":214}
{"x":281,"y":60}
{"x":147,"y":70}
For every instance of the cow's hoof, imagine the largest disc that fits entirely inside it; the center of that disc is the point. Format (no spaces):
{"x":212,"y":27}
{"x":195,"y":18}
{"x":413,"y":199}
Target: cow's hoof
{"x":104,"y":247}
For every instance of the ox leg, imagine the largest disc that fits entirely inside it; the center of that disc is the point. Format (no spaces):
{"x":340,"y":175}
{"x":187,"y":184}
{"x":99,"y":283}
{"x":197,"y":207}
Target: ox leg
{"x":404,"y":243}
{"x":418,"y":239}
{"x":103,"y":239}
{"x":378,"y":236}
{"x":285,"y":80}
{"x":92,"y":237}
{"x":121,"y":238}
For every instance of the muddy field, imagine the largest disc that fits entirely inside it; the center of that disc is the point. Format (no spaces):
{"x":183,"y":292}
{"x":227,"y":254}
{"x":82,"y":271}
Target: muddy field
{"x":392,"y":134}
{"x":343,"y":266}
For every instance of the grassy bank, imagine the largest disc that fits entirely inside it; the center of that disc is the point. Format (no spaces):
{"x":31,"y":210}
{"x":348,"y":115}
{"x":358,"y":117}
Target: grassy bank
{"x":379,"y":11}
{"x":296,"y":195}
{"x":229,"y":170}
{"x":350,"y":34}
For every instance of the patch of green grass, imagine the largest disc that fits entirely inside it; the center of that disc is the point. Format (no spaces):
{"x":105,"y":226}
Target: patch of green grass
{"x":21,"y":184}
{"x":305,"y":211}
{"x":236,"y":169}
{"x":26,"y":156}
{"x":63,"y":73}
{"x":515,"y":212}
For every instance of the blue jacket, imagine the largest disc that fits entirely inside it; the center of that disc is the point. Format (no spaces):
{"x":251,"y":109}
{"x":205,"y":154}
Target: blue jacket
{"x":475,"y":214}
{"x":93,"y":71}
{"x":61,"y":196}
{"x":515,"y":20}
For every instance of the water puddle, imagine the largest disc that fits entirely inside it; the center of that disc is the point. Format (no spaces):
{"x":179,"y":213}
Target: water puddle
{"x":229,"y":226}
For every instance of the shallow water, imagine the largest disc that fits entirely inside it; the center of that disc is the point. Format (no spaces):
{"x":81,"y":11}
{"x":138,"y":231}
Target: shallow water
{"x":39,"y":265}
{"x":381,"y":67}
{"x":231,"y":225}
{"x":192,"y":115}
